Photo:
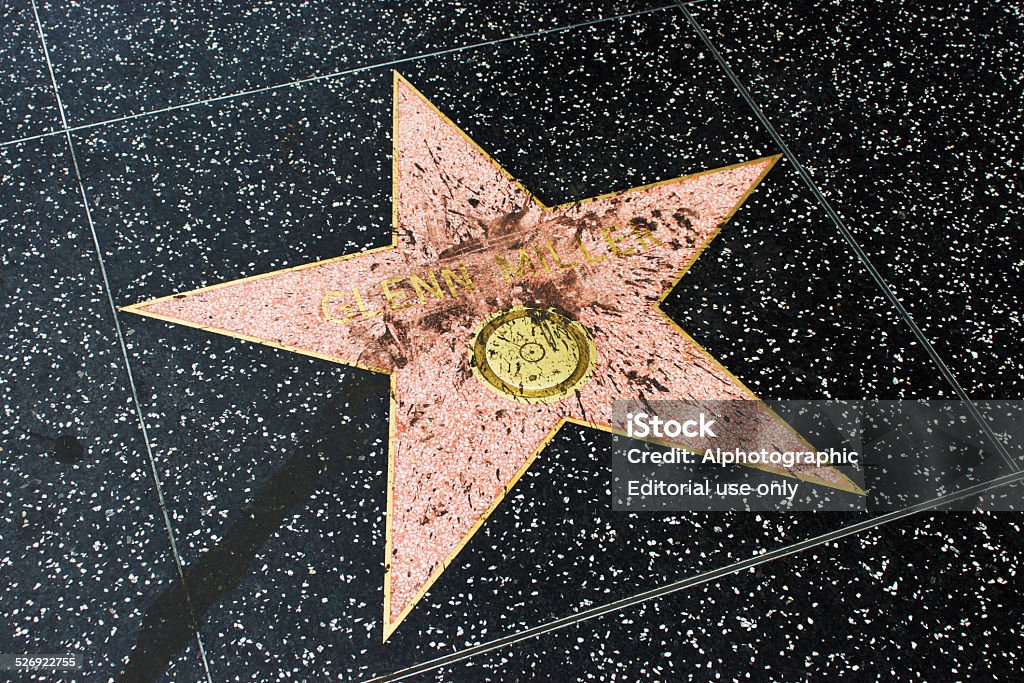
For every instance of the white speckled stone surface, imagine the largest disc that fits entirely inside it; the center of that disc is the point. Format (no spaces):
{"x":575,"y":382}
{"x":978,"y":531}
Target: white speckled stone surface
{"x":273,"y":465}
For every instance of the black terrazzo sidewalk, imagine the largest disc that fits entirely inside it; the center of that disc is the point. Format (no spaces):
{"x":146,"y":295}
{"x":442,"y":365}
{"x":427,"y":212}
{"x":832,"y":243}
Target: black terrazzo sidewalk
{"x":226,"y":140}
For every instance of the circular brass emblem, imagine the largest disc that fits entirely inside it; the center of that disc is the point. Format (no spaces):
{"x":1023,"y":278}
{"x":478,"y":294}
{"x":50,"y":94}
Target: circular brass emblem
{"x":532,"y":354}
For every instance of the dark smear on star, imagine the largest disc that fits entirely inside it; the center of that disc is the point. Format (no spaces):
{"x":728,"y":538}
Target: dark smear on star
{"x":557,"y":292}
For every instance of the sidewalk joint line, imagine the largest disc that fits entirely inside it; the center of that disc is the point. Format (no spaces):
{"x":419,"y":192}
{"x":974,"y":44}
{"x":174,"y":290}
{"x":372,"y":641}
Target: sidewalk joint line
{"x":123,"y":346}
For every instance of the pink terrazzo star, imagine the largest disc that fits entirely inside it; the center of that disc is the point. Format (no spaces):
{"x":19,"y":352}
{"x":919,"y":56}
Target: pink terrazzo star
{"x":469,"y":243}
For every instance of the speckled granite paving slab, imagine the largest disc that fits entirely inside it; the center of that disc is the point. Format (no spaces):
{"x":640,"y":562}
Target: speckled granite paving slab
{"x":120,"y":57}
{"x":921,"y":599}
{"x":909,"y":117}
{"x":209,"y":194}
{"x":83,"y":548}
{"x":27,"y":105}
{"x":274,"y":465}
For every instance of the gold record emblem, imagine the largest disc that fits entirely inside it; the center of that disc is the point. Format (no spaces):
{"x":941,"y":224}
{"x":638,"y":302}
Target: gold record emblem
{"x":532,"y":354}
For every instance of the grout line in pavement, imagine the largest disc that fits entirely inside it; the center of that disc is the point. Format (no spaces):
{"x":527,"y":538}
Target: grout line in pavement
{"x":332,"y":75}
{"x":693,"y":581}
{"x":847,"y":235}
{"x":123,"y":346}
